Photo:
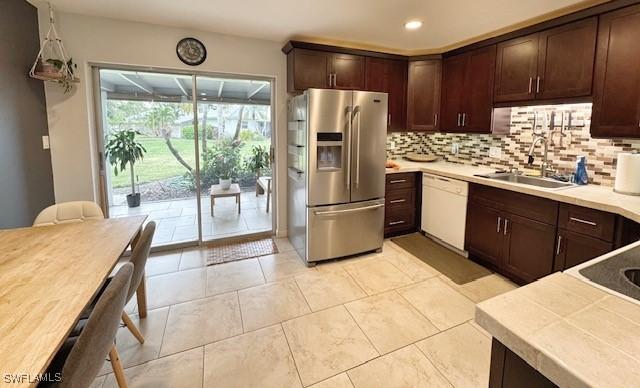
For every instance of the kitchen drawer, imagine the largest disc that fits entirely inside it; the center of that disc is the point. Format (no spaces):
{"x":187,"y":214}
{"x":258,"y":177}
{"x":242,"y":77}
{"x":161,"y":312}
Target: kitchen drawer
{"x":401,"y":181}
{"x":399,"y":220}
{"x":405,"y":198}
{"x":528,"y":206}
{"x":594,"y":223}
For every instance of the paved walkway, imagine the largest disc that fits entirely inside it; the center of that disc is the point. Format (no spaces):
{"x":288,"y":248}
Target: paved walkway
{"x":177,"y":221}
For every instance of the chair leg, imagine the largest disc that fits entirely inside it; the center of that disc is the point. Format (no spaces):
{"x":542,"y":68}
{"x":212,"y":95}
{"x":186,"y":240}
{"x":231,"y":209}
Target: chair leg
{"x":132,"y":327}
{"x":117,"y":367}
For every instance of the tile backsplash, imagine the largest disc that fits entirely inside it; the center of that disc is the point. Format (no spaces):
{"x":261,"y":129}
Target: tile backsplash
{"x":565,"y":145}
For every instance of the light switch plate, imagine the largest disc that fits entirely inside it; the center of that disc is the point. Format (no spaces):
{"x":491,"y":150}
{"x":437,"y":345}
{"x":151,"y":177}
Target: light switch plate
{"x":495,"y":152}
{"x":45,"y":142}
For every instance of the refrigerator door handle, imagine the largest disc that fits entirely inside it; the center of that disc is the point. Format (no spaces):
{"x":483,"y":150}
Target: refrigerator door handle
{"x":348,"y":144}
{"x":356,"y":111}
{"x":359,"y":209}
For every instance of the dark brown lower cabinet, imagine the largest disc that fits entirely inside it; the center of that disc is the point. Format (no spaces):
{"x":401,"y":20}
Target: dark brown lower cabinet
{"x":483,"y":233}
{"x":518,"y":247}
{"x":575,"y":248}
{"x":510,"y":371}
{"x":402,"y":203}
{"x":528,"y":247}
{"x":526,"y":237}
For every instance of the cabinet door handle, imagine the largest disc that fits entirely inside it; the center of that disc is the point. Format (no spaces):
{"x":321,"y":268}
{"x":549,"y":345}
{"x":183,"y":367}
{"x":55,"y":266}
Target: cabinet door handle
{"x":583,"y":221}
{"x":530,"y":84}
{"x":398,"y":201}
{"x":435,"y":120}
{"x":396,"y":223}
{"x":335,"y":80}
{"x":458,"y":122}
{"x":506,"y":223}
{"x":538,"y":84}
{"x":330,"y":80}
{"x":398,"y":181}
{"x":559,"y":244}
{"x":464,"y":119}
{"x":389,"y":120}
{"x":498,"y":227}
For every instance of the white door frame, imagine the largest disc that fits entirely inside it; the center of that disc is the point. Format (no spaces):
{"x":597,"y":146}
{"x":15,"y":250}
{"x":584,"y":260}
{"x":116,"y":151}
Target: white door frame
{"x":103,"y":176}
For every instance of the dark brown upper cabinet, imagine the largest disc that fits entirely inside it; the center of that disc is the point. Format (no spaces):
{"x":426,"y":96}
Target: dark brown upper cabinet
{"x":616,"y":97}
{"x":347,"y":71}
{"x":389,"y":76}
{"x":555,"y":63}
{"x":307,"y":69}
{"x":516,"y":67}
{"x":565,"y":60}
{"x":423,"y":95}
{"x":324,"y":70}
{"x":467,"y":91}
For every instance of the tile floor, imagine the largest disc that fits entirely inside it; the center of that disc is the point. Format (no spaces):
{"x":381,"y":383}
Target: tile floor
{"x":177,"y":222}
{"x":378,"y":320}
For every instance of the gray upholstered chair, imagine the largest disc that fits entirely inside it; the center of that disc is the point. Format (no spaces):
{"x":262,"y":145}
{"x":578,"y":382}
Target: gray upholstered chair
{"x":80,"y":359}
{"x":139,"y":257}
{"x":67,"y":212}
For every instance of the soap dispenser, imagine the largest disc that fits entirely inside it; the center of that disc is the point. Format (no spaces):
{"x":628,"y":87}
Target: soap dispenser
{"x":581,"y":177}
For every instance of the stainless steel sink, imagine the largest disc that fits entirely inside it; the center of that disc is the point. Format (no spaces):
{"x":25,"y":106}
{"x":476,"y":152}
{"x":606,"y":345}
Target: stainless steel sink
{"x":546,"y":183}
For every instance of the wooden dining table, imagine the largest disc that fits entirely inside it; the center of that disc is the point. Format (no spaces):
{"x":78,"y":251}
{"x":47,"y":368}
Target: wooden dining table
{"x":48,"y":276}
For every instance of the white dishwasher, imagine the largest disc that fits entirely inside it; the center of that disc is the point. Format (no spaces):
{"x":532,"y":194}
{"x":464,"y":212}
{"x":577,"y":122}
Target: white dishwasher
{"x":444,"y":208}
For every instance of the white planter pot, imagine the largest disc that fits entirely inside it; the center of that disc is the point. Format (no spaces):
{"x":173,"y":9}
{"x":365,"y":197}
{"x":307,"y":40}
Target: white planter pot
{"x":225,"y":184}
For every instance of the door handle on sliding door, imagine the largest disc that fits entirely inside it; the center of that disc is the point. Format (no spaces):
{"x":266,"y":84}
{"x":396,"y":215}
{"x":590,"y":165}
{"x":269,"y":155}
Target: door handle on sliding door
{"x":355,"y":210}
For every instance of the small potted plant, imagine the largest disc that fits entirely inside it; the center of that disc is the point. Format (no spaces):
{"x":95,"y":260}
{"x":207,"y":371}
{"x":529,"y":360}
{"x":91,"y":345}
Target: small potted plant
{"x":123,"y":149}
{"x":66,"y":72}
{"x":225,"y":162}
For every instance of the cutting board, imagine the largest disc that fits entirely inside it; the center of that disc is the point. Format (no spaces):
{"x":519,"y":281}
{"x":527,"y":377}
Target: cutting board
{"x":421,"y":157}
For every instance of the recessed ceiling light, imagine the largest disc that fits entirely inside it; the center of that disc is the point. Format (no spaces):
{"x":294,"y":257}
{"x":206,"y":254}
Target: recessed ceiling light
{"x":413,"y":24}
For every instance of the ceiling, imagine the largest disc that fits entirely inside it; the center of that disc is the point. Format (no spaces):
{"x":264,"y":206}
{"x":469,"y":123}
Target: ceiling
{"x":374,"y":24}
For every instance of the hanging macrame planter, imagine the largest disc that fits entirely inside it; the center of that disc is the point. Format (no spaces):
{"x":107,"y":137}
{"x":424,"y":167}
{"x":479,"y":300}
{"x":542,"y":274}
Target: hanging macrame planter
{"x":52,"y":63}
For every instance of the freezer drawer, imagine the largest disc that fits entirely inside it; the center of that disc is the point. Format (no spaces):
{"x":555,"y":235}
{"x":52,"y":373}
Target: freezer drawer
{"x":343,"y":230}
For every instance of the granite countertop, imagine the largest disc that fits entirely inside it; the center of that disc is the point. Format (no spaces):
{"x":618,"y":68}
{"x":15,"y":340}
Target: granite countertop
{"x":573,"y":333}
{"x":591,"y":196}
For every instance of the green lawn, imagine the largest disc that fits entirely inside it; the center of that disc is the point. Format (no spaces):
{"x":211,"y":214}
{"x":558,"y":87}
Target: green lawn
{"x":159,"y":163}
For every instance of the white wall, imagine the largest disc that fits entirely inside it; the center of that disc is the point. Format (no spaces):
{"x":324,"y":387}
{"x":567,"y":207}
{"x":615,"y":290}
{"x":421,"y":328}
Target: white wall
{"x":99,"y":40}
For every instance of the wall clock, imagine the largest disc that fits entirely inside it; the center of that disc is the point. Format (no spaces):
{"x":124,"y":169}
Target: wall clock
{"x":191,"y":51}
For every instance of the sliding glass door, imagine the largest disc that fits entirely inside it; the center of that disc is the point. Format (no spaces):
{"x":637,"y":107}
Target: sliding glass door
{"x":203,"y":170}
{"x":234,"y":122}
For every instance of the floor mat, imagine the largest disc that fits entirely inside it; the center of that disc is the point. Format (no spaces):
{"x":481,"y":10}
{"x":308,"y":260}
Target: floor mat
{"x":240,"y":250}
{"x":456,"y":267}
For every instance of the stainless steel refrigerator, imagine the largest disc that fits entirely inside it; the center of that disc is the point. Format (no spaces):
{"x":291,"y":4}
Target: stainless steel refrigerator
{"x":336,"y":172}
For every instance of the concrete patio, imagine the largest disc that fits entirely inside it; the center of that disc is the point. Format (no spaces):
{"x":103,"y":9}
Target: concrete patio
{"x":177,"y":222}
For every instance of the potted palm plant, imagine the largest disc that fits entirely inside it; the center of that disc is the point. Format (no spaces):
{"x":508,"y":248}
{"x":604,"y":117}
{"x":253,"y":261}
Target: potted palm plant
{"x":123,"y":149}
